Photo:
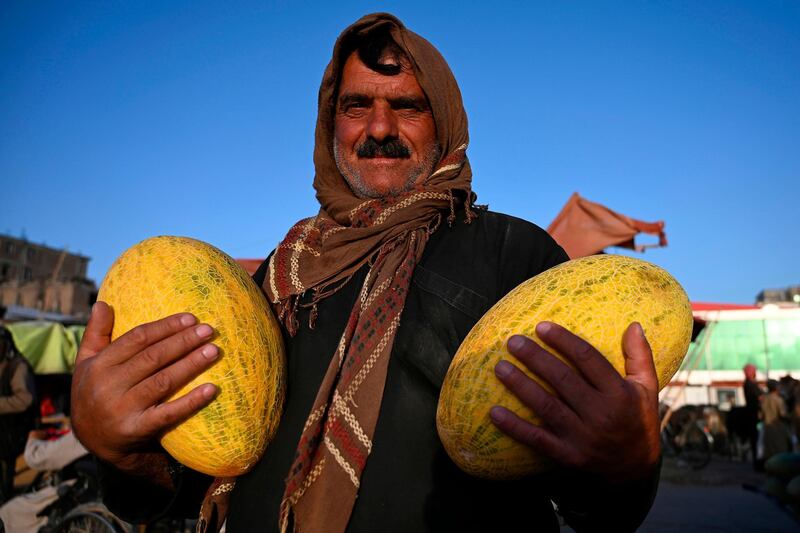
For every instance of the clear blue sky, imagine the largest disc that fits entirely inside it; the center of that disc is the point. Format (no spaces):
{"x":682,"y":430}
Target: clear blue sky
{"x":123,"y":120}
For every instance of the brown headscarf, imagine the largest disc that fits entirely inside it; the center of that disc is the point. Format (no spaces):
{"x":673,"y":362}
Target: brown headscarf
{"x":320,"y":254}
{"x":340,"y":234}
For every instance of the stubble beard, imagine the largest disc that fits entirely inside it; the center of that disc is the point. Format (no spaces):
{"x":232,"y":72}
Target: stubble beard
{"x":360,"y":188}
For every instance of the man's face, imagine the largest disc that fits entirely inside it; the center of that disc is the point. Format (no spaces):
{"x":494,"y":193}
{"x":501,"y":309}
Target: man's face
{"x":385,"y":137}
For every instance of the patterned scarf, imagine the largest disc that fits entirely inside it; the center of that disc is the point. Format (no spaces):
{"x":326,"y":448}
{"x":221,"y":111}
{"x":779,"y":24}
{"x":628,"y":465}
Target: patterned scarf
{"x":320,"y":254}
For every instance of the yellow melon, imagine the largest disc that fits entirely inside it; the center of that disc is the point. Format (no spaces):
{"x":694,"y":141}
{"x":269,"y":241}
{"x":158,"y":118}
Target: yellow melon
{"x":165,"y":275}
{"x":596,"y":298}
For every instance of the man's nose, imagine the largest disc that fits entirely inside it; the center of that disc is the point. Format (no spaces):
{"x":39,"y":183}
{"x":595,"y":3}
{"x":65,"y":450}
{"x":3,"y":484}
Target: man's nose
{"x":382,"y":123}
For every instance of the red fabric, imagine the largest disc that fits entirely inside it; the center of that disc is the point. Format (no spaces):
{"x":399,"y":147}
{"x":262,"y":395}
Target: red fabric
{"x":250,"y":265}
{"x":585,"y":228}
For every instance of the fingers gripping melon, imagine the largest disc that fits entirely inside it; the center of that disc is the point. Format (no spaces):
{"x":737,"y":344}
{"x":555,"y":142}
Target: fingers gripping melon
{"x":596,"y":298}
{"x":165,"y":275}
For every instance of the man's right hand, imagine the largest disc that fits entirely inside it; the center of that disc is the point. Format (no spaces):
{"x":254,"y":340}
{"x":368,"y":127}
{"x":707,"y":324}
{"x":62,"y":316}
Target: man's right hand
{"x":120,"y":389}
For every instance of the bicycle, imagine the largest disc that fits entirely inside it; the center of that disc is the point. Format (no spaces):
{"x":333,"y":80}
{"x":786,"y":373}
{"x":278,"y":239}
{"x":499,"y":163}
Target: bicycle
{"x":78,"y":508}
{"x":691,"y":442}
{"x":90,"y":518}
{"x":63,"y":501}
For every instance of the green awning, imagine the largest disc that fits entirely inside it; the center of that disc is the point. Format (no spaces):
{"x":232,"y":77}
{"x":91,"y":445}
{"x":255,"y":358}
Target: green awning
{"x":50,"y":347}
{"x":772,"y":343}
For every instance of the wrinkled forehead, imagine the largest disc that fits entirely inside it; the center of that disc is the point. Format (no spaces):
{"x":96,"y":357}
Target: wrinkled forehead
{"x":358,"y":80}
{"x":377,"y":57}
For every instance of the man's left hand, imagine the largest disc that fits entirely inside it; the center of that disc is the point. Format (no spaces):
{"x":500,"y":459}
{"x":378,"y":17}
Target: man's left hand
{"x":597,"y":421}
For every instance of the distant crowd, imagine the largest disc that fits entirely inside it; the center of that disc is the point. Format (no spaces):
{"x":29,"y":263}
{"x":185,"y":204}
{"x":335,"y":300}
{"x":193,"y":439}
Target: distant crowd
{"x":775,"y":415}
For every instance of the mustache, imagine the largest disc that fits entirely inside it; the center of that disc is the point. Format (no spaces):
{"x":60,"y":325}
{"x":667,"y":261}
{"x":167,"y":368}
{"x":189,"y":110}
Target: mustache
{"x":393,"y":148}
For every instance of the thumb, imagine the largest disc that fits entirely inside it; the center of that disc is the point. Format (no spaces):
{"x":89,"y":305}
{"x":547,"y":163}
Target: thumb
{"x":639,"y":364}
{"x":98,"y":331}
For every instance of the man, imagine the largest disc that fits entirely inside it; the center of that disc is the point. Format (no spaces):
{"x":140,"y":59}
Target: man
{"x":774,"y":416}
{"x":18,"y":409}
{"x":375,"y":293}
{"x":752,"y":399}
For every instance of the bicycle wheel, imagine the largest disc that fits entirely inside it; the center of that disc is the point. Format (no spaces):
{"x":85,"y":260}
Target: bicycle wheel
{"x":696,"y":449}
{"x":88,"y":518}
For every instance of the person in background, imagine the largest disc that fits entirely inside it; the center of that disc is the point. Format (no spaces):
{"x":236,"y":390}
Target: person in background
{"x":752,"y":398}
{"x":773,"y":414}
{"x":789,"y":389}
{"x":795,"y":413}
{"x":18,"y":409}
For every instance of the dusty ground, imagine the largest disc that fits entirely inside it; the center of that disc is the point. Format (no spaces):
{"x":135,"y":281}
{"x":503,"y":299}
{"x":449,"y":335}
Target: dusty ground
{"x":724,"y":496}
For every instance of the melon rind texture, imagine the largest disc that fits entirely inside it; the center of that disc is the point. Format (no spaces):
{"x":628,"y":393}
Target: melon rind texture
{"x":165,"y":275}
{"x":595,"y":297}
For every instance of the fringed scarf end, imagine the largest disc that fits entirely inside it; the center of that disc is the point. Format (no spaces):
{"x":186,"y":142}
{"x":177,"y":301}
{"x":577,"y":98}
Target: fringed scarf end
{"x":286,"y":508}
{"x":312,"y":316}
{"x":451,"y":218}
{"x":472,"y":209}
{"x":287,"y":313}
{"x":214,"y":509}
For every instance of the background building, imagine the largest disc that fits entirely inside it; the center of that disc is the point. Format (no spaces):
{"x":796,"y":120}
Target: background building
{"x":790,"y":295}
{"x":39,"y":281}
{"x":767,"y":337}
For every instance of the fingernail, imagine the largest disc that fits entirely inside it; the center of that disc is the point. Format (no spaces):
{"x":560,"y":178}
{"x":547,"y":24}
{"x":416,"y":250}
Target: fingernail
{"x":94,"y":306}
{"x":209,"y":391}
{"x":210,"y":351}
{"x":503,"y":369}
{"x":498,"y":414}
{"x":516,"y":342}
{"x":203,"y":330}
{"x":543,"y":327}
{"x":188,"y":320}
{"x":639,"y":330}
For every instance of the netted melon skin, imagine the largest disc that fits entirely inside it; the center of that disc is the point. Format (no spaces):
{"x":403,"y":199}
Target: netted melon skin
{"x":165,"y":275}
{"x":595,"y":297}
